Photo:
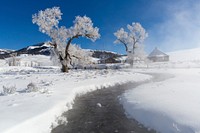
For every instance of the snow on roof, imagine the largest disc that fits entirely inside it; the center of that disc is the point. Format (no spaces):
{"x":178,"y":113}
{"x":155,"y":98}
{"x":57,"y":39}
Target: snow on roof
{"x":156,"y":52}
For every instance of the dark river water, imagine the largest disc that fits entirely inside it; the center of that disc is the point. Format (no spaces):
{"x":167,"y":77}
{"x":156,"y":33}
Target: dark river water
{"x":100,"y":111}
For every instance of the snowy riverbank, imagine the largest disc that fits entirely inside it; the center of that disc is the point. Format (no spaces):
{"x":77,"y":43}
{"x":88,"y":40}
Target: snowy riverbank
{"x":100,"y":111}
{"x":36,"y":111}
{"x":170,"y":106}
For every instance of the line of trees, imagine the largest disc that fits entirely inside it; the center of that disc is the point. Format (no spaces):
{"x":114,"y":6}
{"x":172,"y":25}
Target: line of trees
{"x":61,"y":37}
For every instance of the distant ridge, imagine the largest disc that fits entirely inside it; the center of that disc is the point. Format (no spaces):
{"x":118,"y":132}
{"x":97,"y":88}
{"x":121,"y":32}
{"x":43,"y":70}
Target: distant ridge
{"x":40,"y":48}
{"x":4,"y":51}
{"x":44,"y":49}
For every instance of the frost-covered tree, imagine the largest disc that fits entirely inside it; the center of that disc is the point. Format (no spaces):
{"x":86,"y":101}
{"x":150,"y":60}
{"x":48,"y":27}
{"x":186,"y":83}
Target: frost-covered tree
{"x":62,"y":37}
{"x":132,"y":40}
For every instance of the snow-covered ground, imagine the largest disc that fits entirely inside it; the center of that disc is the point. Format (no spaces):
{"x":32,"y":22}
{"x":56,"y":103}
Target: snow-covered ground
{"x":170,"y":106}
{"x":29,"y":60}
{"x":3,"y":63}
{"x":173,"y":105}
{"x":34,"y":112}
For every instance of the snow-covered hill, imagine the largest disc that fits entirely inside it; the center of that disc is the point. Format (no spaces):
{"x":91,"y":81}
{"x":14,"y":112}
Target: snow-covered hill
{"x":185,"y":55}
{"x":37,"y":49}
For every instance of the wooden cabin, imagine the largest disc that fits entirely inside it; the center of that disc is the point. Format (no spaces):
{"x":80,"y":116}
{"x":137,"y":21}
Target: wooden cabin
{"x":158,"y":56}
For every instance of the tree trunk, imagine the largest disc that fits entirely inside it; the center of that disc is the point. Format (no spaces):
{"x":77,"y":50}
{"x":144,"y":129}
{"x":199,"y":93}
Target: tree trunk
{"x":130,"y":58}
{"x":62,"y":60}
{"x":65,"y":68}
{"x":131,"y":62}
{"x":67,"y":57}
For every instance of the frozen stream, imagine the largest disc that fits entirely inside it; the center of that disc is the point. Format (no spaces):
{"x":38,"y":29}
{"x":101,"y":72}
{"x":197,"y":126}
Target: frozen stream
{"x":100,"y":111}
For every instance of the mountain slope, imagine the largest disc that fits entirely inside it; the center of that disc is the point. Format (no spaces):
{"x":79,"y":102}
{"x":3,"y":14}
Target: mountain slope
{"x":37,"y":49}
{"x":44,"y":49}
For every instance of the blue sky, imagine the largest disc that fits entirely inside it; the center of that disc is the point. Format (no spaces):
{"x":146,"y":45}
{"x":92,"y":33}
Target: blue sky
{"x":171,"y":24}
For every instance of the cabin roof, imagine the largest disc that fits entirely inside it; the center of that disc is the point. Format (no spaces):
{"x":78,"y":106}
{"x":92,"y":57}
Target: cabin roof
{"x":157,"y":53}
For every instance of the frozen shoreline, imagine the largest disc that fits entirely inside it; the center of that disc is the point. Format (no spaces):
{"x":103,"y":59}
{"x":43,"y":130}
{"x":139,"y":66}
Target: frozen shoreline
{"x":35,"y":112}
{"x":167,"y":106}
{"x":101,"y":111}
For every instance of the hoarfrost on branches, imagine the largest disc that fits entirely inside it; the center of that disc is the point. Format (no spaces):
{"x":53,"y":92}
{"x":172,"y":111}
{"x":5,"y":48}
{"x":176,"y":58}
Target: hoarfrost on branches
{"x":80,"y":56}
{"x":62,"y":37}
{"x":122,"y":37}
{"x":83,"y":26}
{"x":132,"y":40}
{"x":48,"y":19}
